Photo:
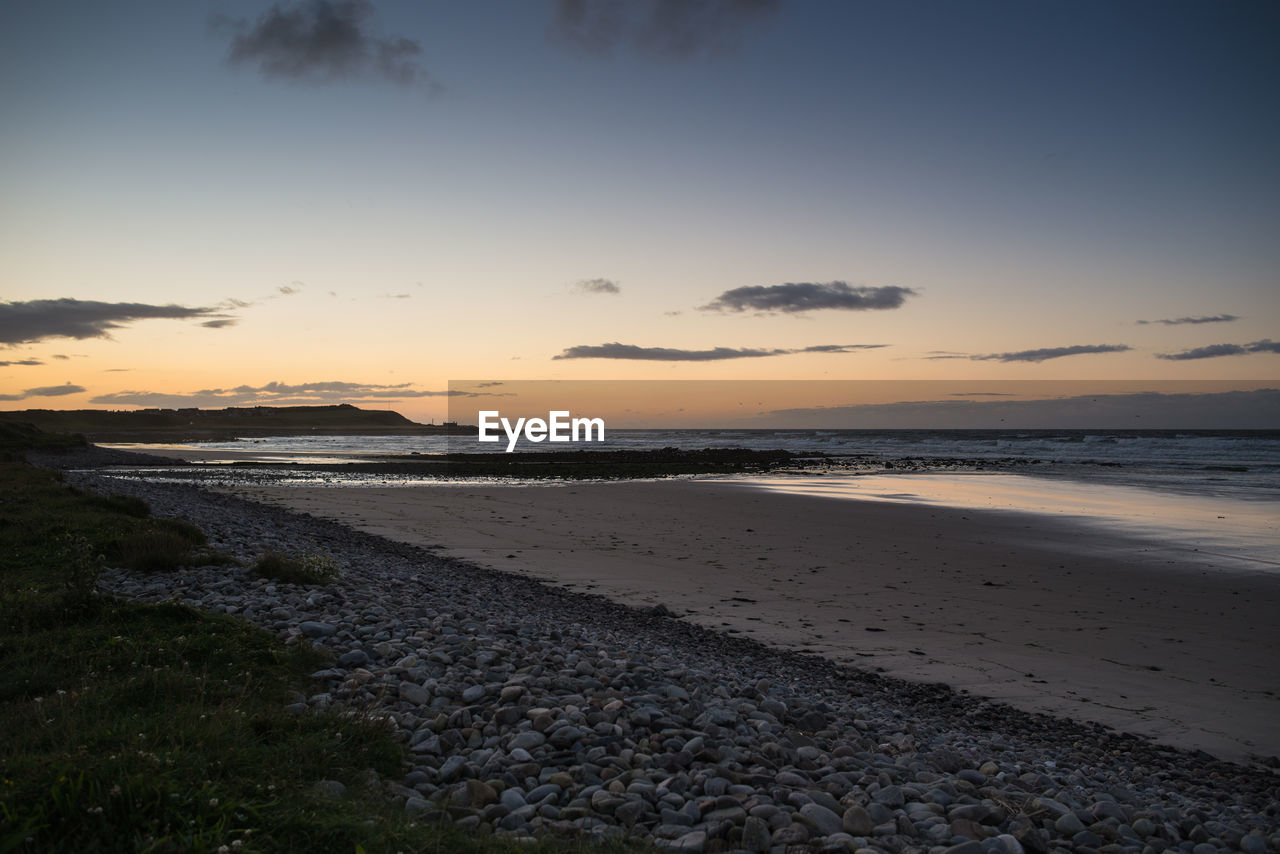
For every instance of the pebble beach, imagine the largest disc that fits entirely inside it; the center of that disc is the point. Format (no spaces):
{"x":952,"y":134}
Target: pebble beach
{"x":529,"y":709}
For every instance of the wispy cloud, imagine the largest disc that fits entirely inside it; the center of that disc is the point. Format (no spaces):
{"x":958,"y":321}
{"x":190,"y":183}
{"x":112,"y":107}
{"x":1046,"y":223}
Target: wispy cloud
{"x":220,"y":323}
{"x":45,"y":391}
{"x":36,"y":320}
{"x":1213,"y":351}
{"x":677,"y":29}
{"x":322,"y":41}
{"x":795,"y":297}
{"x":671,"y":354}
{"x":21,"y":362}
{"x":1181,"y":321}
{"x":1046,"y":353}
{"x":597,"y":286}
{"x":275,"y":393}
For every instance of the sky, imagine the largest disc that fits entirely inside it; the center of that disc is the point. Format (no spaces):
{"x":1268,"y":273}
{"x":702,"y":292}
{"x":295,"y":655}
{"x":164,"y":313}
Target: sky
{"x":234,"y":203}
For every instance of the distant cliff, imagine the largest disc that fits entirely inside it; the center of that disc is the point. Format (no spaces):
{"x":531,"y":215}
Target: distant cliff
{"x":173,"y":425}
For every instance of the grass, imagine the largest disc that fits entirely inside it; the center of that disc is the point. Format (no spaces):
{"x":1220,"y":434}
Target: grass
{"x":132,"y":727}
{"x":308,"y":568}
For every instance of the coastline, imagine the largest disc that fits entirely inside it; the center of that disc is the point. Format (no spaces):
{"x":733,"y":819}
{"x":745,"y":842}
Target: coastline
{"x":1034,"y":611}
{"x":530,"y":709}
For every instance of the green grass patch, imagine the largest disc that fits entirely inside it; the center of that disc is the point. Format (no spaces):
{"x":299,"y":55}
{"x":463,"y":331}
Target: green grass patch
{"x":308,"y":568}
{"x":132,"y":727}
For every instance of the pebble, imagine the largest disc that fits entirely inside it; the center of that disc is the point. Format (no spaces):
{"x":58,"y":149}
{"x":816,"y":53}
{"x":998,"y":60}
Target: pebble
{"x":530,"y":710}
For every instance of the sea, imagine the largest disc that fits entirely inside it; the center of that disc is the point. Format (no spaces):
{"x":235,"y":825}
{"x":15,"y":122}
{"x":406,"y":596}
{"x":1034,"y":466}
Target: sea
{"x":1210,"y":489}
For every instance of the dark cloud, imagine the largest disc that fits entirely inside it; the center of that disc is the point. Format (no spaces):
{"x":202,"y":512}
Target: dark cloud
{"x":220,"y":323}
{"x":45,"y":391}
{"x":809,"y":296}
{"x":20,"y":362}
{"x":597,"y":286}
{"x":982,"y":394}
{"x":274,"y":393}
{"x":1180,"y":321}
{"x":678,"y":29}
{"x":320,"y":41}
{"x":669,"y":28}
{"x":670,"y":354}
{"x":1051,"y":353}
{"x":24,"y":322}
{"x":1213,"y":351}
{"x":61,"y":357}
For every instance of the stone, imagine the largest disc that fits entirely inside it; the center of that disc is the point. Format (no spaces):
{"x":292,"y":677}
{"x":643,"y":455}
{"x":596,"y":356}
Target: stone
{"x":1068,"y":825}
{"x":890,"y":796}
{"x":528,"y":740}
{"x":970,"y":847}
{"x":824,"y":820}
{"x":755,"y":835}
{"x":414,"y":693}
{"x":856,"y":821}
{"x":480,"y":794}
{"x":314,"y":629}
{"x":354,"y":658}
{"x":694,"y":840}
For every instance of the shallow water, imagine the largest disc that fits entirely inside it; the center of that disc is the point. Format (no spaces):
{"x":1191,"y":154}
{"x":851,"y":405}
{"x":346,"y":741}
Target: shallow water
{"x":1247,"y":529}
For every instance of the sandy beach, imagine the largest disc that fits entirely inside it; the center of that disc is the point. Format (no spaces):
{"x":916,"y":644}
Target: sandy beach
{"x":1038,"y":612}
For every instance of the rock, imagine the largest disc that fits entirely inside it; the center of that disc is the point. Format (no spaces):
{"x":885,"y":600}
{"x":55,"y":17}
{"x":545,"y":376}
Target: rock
{"x":755,"y":835}
{"x":824,"y":820}
{"x":970,"y":847}
{"x":480,"y":794}
{"x":694,"y":840}
{"x":1010,"y":843}
{"x":528,"y":740}
{"x":890,"y":796}
{"x":413,"y":693}
{"x":856,"y":821}
{"x":1068,"y":825}
{"x":313,"y":629}
{"x":354,"y":658}
{"x":968,"y":828}
{"x":1254,"y":843}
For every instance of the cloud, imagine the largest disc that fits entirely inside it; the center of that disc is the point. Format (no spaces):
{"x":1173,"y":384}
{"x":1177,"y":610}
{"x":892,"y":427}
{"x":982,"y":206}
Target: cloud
{"x":275,"y":393}
{"x":220,"y":323}
{"x":669,"y":354}
{"x":1051,"y":353}
{"x":597,"y":286}
{"x":289,"y":289}
{"x":1179,"y":321}
{"x":809,"y":296}
{"x":321,"y":41}
{"x":1213,"y":351}
{"x":45,"y":391}
{"x":36,"y":320}
{"x":676,"y":29}
{"x":20,"y":362}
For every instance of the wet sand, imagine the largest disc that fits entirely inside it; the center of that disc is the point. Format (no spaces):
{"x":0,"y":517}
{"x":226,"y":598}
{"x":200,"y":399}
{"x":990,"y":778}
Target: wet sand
{"x":1042,"y":613}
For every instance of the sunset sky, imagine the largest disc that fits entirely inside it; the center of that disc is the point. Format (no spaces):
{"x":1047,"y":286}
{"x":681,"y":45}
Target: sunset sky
{"x":213,"y":204}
